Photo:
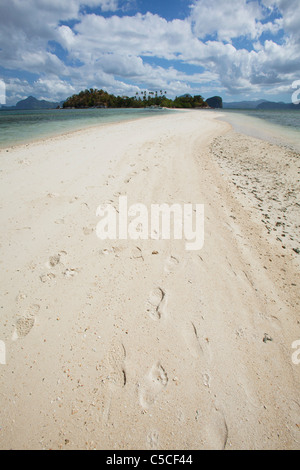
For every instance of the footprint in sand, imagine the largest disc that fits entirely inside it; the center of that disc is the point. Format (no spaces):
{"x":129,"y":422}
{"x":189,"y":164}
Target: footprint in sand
{"x":153,"y":440}
{"x":156,"y":303}
{"x":47,"y":277}
{"x":137,"y":253}
{"x":153,"y":385}
{"x":70,"y":273}
{"x":88,"y":230}
{"x":21,"y":297}
{"x":216,"y":431}
{"x":171,"y":264}
{"x":116,"y":360}
{"x":53,"y":261}
{"x":113,"y":370}
{"x":25,"y":323}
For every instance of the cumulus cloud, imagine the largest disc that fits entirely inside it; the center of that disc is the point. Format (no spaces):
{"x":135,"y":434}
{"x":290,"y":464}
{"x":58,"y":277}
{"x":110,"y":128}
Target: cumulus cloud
{"x":225,"y":19}
{"x":124,"y":54}
{"x":290,"y":12}
{"x":147,"y":34}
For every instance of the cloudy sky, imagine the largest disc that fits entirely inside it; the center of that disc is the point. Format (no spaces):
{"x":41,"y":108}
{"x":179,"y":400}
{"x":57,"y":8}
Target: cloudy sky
{"x":239,"y":49}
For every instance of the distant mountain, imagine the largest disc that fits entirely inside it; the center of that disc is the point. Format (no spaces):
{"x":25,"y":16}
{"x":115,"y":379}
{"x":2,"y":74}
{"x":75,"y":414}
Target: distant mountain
{"x":32,"y":103}
{"x":243,"y":104}
{"x":272,"y":105}
{"x":260,"y":104}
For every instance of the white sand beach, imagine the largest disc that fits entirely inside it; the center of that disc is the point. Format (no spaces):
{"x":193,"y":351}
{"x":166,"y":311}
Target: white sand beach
{"x":141,"y":344}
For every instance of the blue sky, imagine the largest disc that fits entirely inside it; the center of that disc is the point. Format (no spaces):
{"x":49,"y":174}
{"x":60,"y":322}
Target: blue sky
{"x":238,"y":49}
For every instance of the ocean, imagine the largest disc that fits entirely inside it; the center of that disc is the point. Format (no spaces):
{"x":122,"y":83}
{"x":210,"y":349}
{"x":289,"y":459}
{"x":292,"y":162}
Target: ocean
{"x":17,"y":127}
{"x":281,"y":127}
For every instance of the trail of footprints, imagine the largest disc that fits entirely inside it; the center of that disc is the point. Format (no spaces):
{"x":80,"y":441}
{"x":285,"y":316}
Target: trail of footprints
{"x":156,"y":381}
{"x":26,"y":321}
{"x":56,"y":263}
{"x":156,"y":304}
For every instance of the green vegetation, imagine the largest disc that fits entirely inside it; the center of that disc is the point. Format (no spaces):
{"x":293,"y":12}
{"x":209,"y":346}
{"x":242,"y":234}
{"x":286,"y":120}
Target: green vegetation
{"x":101,"y":99}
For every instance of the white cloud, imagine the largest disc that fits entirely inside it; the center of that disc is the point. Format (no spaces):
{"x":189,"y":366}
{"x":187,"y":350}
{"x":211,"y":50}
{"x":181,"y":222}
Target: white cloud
{"x":147,"y":34}
{"x":114,"y":52}
{"x":290,"y":11}
{"x":53,"y":88}
{"x":226,"y":19}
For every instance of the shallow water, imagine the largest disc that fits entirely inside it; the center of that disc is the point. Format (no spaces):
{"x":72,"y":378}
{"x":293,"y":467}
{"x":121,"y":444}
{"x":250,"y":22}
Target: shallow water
{"x":281,"y":127}
{"x":18,"y":127}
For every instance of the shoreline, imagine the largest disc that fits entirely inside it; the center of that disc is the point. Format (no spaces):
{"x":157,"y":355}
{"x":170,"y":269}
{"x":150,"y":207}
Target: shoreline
{"x":139,"y":344}
{"x":264,"y":136}
{"x":248,"y":124}
{"x":71,"y":131}
{"x":265,"y":176}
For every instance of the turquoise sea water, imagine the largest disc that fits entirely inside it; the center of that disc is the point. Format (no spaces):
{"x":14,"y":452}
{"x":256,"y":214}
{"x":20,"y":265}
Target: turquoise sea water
{"x":26,"y":126}
{"x":280,"y":127}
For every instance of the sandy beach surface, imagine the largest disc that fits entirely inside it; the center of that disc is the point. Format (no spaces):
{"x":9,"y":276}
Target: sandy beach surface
{"x":141,"y":344}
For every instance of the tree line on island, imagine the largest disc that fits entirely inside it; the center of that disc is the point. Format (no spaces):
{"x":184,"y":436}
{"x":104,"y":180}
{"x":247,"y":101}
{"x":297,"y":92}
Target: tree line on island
{"x":101,"y":99}
{"x":94,"y":98}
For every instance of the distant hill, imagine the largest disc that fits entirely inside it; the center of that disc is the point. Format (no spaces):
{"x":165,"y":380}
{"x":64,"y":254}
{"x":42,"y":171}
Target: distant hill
{"x":215,"y":102}
{"x":272,"y":105}
{"x":260,"y":104}
{"x":32,"y":103}
{"x":243,"y":104}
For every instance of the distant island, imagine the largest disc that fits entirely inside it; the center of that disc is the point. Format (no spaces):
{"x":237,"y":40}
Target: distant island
{"x":260,"y":104}
{"x":32,"y":103}
{"x":94,"y":98}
